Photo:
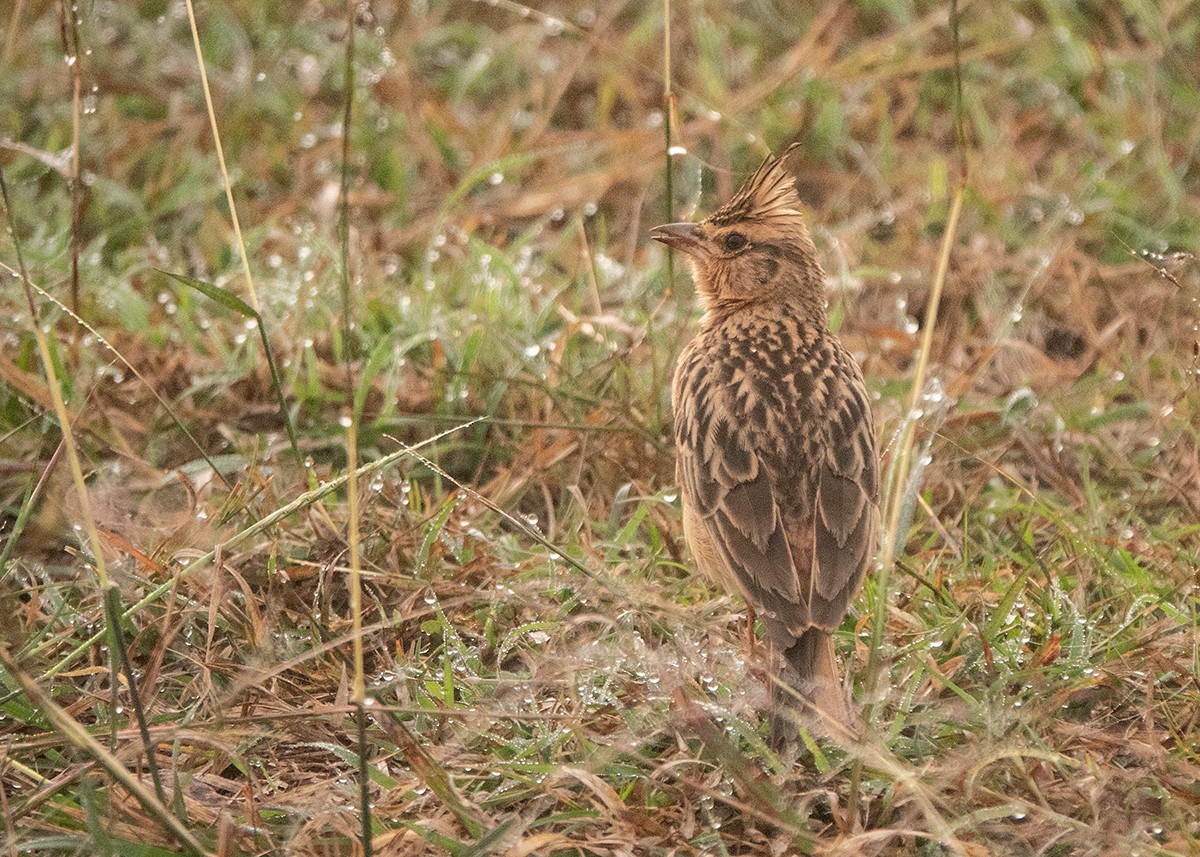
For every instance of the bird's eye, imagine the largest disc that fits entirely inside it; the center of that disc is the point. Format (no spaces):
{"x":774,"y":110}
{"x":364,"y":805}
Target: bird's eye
{"x":735,"y":241}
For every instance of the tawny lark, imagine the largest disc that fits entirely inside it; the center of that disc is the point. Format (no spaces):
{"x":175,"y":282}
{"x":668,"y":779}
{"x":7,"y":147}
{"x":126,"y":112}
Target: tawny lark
{"x":776,"y":452}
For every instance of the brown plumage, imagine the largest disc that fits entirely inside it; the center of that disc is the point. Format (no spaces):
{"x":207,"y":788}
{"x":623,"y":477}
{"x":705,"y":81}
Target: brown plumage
{"x":776,"y":450}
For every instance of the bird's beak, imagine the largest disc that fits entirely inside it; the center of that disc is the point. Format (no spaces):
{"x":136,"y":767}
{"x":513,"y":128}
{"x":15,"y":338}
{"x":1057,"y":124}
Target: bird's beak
{"x":681,"y":236}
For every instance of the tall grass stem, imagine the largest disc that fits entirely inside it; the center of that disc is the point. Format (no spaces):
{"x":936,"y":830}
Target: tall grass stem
{"x":216,"y":132}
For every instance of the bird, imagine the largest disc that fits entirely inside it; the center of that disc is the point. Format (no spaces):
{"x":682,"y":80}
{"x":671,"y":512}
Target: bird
{"x":775,"y":446}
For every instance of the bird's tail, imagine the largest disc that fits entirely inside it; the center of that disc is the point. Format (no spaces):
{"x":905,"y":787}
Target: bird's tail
{"x":811,"y":688}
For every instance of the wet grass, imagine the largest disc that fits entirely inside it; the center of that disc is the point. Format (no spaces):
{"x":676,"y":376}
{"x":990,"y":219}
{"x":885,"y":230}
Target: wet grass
{"x":544,"y":674}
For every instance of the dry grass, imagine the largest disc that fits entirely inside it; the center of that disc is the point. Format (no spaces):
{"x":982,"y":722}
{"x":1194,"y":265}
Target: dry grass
{"x":545,"y":676}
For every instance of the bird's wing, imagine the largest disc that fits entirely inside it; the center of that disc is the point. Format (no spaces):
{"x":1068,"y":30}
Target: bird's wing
{"x":794,"y":520}
{"x":845,"y":520}
{"x":730,"y":492}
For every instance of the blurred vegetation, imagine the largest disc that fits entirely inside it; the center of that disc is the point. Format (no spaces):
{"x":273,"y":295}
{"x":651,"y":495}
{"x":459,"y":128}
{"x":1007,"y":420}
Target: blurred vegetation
{"x":552,"y":680}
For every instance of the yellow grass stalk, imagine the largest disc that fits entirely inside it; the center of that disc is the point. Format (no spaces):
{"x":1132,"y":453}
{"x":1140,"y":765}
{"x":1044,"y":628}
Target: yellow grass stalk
{"x":212,"y":121}
{"x":903,"y":452}
{"x":359,"y":691}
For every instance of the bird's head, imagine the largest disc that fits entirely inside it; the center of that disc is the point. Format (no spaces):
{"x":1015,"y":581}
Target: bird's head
{"x":754,"y":248}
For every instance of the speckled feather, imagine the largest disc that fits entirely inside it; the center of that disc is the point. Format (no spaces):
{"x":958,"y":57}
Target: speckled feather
{"x":775,"y":446}
{"x":776,"y":455}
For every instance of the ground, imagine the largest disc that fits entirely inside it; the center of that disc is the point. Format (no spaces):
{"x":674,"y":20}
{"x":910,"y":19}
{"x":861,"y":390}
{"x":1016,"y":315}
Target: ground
{"x":544,"y":674}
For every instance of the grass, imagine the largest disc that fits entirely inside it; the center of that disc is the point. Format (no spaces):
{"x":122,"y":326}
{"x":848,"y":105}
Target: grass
{"x":543,"y":675}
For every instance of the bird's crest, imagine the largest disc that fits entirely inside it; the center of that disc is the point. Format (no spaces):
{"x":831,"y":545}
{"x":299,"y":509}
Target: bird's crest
{"x":769,"y":195}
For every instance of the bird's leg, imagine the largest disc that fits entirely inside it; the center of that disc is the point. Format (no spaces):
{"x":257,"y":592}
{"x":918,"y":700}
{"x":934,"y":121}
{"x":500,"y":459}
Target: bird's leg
{"x":750,"y":619}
